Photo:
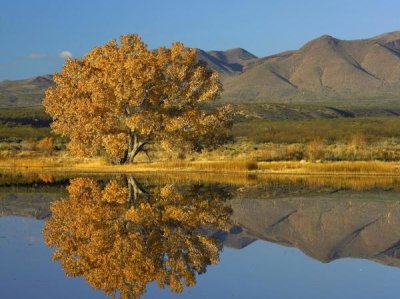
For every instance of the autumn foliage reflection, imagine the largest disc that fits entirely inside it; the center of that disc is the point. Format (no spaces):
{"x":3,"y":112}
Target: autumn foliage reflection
{"x":120,"y":237}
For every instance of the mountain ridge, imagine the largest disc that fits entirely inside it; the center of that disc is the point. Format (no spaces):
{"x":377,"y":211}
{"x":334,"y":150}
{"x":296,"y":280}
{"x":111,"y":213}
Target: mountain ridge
{"x":323,"y":69}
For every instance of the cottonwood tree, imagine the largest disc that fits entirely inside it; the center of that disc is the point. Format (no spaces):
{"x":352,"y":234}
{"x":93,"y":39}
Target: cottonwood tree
{"x":120,"y":97}
{"x":120,"y":237}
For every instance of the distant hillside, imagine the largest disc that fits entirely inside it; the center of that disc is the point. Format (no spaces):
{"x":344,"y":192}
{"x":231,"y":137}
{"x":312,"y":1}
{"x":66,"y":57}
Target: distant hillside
{"x":24,"y":93}
{"x":30,"y":92}
{"x":227,"y":63}
{"x":325,"y":69}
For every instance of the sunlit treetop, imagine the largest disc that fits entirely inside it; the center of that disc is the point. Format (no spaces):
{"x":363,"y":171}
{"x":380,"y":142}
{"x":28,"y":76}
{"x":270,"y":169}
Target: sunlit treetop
{"x":120,"y":97}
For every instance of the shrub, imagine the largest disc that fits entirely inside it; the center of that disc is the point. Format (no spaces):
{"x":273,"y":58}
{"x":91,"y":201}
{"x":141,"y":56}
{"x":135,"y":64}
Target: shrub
{"x":46,"y":145}
{"x":358,"y":140}
{"x":28,"y":145}
{"x":315,"y":149}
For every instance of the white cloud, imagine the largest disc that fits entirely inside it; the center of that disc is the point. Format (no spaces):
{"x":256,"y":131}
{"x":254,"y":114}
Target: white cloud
{"x":37,"y":56}
{"x":65,"y":54}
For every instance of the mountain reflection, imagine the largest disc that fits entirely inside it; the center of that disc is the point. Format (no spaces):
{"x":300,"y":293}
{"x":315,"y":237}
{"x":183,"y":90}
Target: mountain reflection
{"x":326,"y":226}
{"x":124,"y":233}
{"x":120,"y":236}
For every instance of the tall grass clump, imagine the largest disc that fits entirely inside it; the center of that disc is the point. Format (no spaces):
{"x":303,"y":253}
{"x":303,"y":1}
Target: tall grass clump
{"x":370,"y":167}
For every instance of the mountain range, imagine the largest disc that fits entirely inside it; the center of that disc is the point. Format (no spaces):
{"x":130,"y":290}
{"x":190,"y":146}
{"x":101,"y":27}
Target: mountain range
{"x":324,"y":69}
{"x":24,"y":93}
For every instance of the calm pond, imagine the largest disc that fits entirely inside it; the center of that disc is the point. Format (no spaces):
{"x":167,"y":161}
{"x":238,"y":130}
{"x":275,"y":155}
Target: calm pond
{"x":199,"y":236}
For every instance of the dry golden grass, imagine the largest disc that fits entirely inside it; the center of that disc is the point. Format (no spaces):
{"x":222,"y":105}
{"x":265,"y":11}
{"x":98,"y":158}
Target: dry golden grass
{"x":237,"y":179}
{"x":369,"y":167}
{"x":219,"y":166}
{"x":64,"y":163}
{"x":355,"y":150}
{"x":280,"y":166}
{"x":293,"y":181}
{"x":349,"y":175}
{"x":357,"y":183}
{"x":61,"y":162}
{"x":345,"y":167}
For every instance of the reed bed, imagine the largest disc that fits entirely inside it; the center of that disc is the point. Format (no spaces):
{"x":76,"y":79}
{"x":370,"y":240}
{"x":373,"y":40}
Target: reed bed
{"x":370,"y":167}
{"x":267,"y":181}
{"x":356,"y":183}
{"x":220,"y":166}
{"x":64,"y":163}
{"x":344,"y":167}
{"x":348,"y":182}
{"x":238,"y":179}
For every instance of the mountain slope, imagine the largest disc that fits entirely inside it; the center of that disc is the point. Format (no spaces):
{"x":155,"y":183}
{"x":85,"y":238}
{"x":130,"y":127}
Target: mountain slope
{"x":24,"y":93}
{"x":324,"y":68}
{"x":30,"y":92}
{"x":227,"y":63}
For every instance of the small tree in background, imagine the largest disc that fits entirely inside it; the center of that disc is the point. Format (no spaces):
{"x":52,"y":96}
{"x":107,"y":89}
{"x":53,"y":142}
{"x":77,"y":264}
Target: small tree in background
{"x":357,"y":140}
{"x":315,"y":149}
{"x":121,"y":97}
{"x":46,"y":145}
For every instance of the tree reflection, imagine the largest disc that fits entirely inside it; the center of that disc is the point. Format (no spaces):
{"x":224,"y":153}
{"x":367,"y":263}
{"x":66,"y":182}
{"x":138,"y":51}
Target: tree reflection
{"x":120,"y":237}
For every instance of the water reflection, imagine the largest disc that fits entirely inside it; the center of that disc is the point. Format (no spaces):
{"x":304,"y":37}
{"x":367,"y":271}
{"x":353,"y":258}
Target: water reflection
{"x":121,"y":236}
{"x":121,"y":233}
{"x":325,"y":226}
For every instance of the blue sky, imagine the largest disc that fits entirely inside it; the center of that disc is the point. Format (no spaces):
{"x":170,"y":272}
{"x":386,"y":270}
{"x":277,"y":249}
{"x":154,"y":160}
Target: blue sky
{"x":33,"y":33}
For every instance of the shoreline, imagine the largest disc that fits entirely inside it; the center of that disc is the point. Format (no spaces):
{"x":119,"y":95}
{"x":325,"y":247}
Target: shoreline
{"x":340,"y":168}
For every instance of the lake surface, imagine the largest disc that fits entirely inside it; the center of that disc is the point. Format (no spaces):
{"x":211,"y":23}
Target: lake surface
{"x":203,"y":236}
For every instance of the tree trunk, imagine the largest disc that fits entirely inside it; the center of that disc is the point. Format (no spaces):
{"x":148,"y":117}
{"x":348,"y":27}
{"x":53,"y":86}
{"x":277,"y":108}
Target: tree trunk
{"x":134,"y":148}
{"x":134,"y":190}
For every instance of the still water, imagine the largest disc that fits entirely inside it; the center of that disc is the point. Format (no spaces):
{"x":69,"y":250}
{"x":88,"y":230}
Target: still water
{"x":199,"y":237}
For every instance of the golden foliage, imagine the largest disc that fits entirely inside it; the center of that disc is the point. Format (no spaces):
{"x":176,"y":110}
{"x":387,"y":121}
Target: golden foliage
{"x":46,"y":177}
{"x":115,"y":145}
{"x":120,"y":238}
{"x":46,"y":145}
{"x":120,"y":97}
{"x":358,"y":140}
{"x":315,"y":149}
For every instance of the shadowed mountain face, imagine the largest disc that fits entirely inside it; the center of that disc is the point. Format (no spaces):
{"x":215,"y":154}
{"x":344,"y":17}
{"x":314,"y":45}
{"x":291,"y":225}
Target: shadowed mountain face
{"x":227,"y":63}
{"x":325,"y":68}
{"x":325,"y":227}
